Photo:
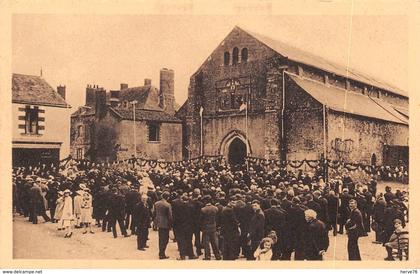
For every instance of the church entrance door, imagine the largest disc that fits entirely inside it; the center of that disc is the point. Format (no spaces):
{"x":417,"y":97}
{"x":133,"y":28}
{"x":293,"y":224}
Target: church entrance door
{"x":237,"y":152}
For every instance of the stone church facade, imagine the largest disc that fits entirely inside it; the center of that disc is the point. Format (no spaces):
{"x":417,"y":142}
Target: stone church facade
{"x":263,"y":98}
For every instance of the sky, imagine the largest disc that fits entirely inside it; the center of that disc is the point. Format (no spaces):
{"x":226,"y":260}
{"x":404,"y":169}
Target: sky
{"x":106,"y":50}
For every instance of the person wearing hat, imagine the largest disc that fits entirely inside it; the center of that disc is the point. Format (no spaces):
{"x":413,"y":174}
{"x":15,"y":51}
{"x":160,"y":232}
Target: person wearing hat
{"x":86,"y":211}
{"x":78,"y":207}
{"x":59,"y":205}
{"x":52,"y":196}
{"x":37,"y":205}
{"x":209,"y":227}
{"x":67,"y":216}
{"x":163,"y":220}
{"x":116,"y":212}
{"x":316,"y":237}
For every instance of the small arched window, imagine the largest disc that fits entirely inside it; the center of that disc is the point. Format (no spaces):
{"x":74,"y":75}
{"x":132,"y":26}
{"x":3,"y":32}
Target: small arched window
{"x":227,"y":58}
{"x":235,"y":56}
{"x":244,"y":55}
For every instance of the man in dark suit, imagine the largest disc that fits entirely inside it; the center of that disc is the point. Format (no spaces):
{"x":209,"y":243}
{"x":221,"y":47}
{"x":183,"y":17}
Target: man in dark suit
{"x":132,"y":198}
{"x":244,"y":214}
{"x":316,"y":237}
{"x":143,"y":219}
{"x":355,"y":229}
{"x":344,"y":211}
{"x":229,"y":232}
{"x":37,"y":204}
{"x":163,"y":221}
{"x":183,"y":224}
{"x":208,"y":227}
{"x":116,"y":212}
{"x":379,"y":217}
{"x":275,"y":220}
{"x":256,"y":227}
{"x":197,"y":206}
{"x":333,"y":205}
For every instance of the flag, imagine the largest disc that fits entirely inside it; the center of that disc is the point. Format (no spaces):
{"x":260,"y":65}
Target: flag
{"x":201,"y":111}
{"x":243,"y":106}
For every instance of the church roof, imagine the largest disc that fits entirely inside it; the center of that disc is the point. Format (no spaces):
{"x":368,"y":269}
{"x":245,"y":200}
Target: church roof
{"x":349,"y":102}
{"x":306,"y":58}
{"x":30,"y":89}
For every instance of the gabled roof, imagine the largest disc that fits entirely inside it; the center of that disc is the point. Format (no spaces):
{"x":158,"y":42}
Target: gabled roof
{"x":147,"y":97}
{"x":349,"y":102}
{"x":303,"y":57}
{"x":84,"y":111}
{"x":35,"y":90}
{"x":183,"y":110}
{"x":145,"y":115}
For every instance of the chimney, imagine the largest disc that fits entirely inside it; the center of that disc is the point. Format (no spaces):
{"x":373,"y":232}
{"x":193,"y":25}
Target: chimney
{"x":167,"y":90}
{"x":100,"y":102}
{"x":147,"y":82}
{"x":115,"y":98}
{"x":123,"y":86}
{"x":62,"y":91}
{"x":90,"y":96}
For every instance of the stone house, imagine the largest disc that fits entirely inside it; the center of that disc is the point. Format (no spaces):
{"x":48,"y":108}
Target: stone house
{"x":120,"y":124}
{"x":263,"y":98}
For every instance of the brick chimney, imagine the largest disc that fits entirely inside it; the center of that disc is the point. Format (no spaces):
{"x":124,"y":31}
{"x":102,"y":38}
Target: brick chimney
{"x":167,"y":90}
{"x":62,"y":91}
{"x":90,"y":96}
{"x":147,"y":82}
{"x":100,"y":102}
{"x":123,"y":86}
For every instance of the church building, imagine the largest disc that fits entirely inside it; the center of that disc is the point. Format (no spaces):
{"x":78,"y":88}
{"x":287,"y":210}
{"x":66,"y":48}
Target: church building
{"x":257,"y":96}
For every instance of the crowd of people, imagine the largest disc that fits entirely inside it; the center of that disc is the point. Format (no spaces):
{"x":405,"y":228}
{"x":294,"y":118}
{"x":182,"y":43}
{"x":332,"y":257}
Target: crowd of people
{"x":248,"y":211}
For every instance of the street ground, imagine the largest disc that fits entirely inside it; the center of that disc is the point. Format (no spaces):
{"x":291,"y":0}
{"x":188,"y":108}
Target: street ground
{"x":44,"y":241}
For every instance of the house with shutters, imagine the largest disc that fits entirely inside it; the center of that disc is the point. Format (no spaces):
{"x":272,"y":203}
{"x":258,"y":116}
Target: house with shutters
{"x":41,"y":121}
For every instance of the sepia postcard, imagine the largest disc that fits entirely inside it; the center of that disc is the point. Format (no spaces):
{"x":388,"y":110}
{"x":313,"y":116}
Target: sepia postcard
{"x":201,"y":134}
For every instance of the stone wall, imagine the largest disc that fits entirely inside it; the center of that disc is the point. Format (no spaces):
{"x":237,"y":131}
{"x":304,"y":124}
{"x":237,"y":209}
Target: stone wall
{"x":205,"y":90}
{"x":168,"y":148}
{"x":262,"y":134}
{"x":304,"y":137}
{"x":354,"y":138}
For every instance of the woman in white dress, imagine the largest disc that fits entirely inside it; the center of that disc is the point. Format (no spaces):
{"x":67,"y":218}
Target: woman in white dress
{"x":59,"y":210}
{"x":86,"y":211}
{"x":67,"y":216}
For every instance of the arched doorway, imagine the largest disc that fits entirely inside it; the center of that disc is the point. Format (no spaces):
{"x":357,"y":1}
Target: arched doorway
{"x":237,"y":152}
